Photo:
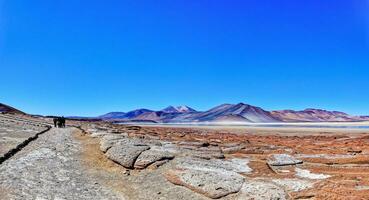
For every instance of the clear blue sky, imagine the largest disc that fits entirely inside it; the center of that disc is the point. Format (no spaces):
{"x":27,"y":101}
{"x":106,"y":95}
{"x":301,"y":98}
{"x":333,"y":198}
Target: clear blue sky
{"x":90,"y":57}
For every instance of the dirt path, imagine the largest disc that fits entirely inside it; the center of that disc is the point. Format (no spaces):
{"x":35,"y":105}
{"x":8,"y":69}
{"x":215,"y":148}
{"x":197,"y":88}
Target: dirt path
{"x":50,"y":168}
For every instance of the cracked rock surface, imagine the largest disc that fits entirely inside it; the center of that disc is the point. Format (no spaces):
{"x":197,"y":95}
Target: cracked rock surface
{"x":50,"y":168}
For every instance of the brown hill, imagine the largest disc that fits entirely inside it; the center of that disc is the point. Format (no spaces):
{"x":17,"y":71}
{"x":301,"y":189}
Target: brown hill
{"x":315,"y":115}
{"x":8,"y":109}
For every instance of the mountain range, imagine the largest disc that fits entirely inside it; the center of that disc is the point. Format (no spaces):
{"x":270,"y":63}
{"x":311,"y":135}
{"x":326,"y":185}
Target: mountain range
{"x":230,"y":113}
{"x":225,"y":113}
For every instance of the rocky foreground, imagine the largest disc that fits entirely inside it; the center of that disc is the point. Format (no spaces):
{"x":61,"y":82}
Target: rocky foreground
{"x":105,"y":161}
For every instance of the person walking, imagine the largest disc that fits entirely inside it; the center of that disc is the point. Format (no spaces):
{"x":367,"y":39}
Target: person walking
{"x":55,"y":121}
{"x":63,"y":121}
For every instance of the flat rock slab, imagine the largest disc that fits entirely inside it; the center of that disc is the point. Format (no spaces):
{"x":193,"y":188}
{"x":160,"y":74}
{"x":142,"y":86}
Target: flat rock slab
{"x":212,"y":178}
{"x":234,"y":165}
{"x":149,"y":157}
{"x":50,"y":168}
{"x":209,"y":183}
{"x":14,"y":134}
{"x":207,"y":155}
{"x":259,"y":190}
{"x":294,"y":185}
{"x":283,"y":160}
{"x":125,"y":155}
{"x":304,"y":173}
{"x":109,"y":140}
{"x":194,"y":143}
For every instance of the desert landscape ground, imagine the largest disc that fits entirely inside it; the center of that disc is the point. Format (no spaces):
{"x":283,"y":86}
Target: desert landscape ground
{"x":184,"y":100}
{"x":102,"y":160}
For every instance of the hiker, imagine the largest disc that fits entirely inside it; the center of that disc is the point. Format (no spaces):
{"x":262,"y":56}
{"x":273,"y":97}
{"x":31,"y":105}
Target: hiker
{"x":59,"y":123}
{"x":55,"y":121}
{"x":63,"y":121}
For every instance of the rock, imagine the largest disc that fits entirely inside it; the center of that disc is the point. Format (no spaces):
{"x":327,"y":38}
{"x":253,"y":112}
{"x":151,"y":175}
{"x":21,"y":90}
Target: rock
{"x":303,"y":173}
{"x":234,"y":165}
{"x":208,"y":155}
{"x":209,"y":183}
{"x":283,"y":160}
{"x":120,"y":140}
{"x":157,"y":164}
{"x":213,"y":178}
{"x":125,"y":155}
{"x":147,"y":158}
{"x":98,"y":134}
{"x":259,"y":190}
{"x":169,"y":147}
{"x":234,"y":149}
{"x":294,"y":185}
{"x":109,"y":140}
{"x":196,"y":144}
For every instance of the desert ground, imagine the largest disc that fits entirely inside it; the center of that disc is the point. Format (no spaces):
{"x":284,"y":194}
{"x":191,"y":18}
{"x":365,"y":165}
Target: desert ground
{"x":99,"y":160}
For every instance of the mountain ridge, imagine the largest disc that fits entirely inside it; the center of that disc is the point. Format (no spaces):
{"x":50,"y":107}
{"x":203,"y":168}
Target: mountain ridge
{"x":8,"y":109}
{"x":240,"y":112}
{"x":224,"y":113}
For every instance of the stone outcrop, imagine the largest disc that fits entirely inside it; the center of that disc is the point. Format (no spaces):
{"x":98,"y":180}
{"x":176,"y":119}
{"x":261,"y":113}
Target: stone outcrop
{"x":125,"y":155}
{"x":212,"y":178}
{"x":149,"y":157}
{"x":213,"y":184}
{"x":108,"y":141}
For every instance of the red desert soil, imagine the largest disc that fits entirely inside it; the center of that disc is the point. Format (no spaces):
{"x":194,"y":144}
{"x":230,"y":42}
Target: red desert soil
{"x":350,"y":175}
{"x":344,"y":156}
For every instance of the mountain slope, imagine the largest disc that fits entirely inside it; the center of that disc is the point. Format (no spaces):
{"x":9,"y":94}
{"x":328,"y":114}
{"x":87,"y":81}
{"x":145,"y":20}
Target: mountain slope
{"x":8,"y":109}
{"x":315,"y":115}
{"x":241,"y":110}
{"x":112,"y":115}
{"x":124,"y":116}
{"x":229,"y":113}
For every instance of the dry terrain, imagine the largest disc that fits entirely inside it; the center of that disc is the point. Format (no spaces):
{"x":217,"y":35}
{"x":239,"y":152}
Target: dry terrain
{"x":98,"y":160}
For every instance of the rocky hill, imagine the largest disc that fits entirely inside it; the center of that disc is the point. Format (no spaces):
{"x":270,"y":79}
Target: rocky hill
{"x":8,"y":109}
{"x":316,"y":115}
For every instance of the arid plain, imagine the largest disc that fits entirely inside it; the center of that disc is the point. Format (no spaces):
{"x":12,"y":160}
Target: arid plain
{"x":102,"y":160}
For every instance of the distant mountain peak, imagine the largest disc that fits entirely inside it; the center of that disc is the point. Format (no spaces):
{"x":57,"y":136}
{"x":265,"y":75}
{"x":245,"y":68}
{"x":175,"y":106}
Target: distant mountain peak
{"x":242,"y":104}
{"x":178,"y":109}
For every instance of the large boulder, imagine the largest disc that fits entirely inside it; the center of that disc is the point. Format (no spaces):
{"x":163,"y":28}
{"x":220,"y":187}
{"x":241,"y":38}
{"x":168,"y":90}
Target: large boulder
{"x":109,"y":140}
{"x":212,"y":178}
{"x":125,"y":155}
{"x":149,"y":157}
{"x":120,"y":140}
{"x":209,"y":183}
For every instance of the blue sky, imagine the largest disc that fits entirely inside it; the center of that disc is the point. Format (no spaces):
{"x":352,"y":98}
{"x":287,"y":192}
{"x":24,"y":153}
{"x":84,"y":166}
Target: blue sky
{"x":87,"y":58}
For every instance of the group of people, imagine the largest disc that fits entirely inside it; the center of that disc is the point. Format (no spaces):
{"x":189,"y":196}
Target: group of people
{"x":59,"y":122}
